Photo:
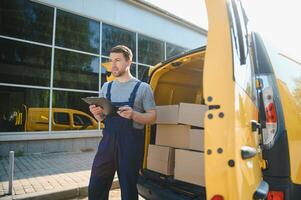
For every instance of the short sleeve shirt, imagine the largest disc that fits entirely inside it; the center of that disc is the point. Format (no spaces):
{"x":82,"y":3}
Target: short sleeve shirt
{"x":121,"y":91}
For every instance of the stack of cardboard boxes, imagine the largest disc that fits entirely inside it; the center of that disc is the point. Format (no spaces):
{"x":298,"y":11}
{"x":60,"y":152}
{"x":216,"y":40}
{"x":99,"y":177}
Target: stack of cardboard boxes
{"x":179,"y":142}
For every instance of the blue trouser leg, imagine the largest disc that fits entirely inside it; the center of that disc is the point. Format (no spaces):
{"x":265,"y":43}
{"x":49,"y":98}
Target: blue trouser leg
{"x":130,"y":156}
{"x":103,"y":169}
{"x":128,"y":183}
{"x":99,"y":187}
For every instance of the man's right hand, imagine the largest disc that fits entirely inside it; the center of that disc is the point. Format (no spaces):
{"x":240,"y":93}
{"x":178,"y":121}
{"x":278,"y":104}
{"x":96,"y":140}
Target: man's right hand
{"x":97,"y":112}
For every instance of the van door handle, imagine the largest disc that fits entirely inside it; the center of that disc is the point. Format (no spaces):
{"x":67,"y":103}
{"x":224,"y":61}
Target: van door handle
{"x":247,"y":152}
{"x":255,"y":125}
{"x":261,"y":191}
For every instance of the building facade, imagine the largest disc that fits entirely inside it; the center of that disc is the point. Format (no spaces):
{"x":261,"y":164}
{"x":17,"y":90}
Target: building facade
{"x":54,"y":52}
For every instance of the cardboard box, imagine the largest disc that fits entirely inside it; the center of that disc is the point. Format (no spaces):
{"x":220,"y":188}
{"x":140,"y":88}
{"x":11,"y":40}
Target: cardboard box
{"x":173,"y":135}
{"x":196,"y":139}
{"x":161,"y":159}
{"x":189,"y":166}
{"x":184,"y":113}
{"x":167,"y":114}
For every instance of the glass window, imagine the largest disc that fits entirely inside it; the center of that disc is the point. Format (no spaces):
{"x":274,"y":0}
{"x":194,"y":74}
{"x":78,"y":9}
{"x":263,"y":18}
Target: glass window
{"x":173,"y":50}
{"x":239,"y":32}
{"x":61,"y":118}
{"x":81,"y":120}
{"x":71,"y":103}
{"x":106,"y":74}
{"x":26,"y":20}
{"x":23,"y":63}
{"x":243,"y":72}
{"x":112,"y":36}
{"x":23,"y":109}
{"x":76,"y":32}
{"x":143,"y":73}
{"x":150,"y":51}
{"x":133,"y":70}
{"x":75,"y":70}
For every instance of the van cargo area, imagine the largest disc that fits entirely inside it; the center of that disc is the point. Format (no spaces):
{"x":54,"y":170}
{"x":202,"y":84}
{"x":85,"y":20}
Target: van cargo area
{"x":179,"y":80}
{"x":178,"y":86}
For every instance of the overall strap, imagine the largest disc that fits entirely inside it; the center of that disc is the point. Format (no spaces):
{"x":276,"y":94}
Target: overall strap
{"x":108,"y":95}
{"x":134,"y":94}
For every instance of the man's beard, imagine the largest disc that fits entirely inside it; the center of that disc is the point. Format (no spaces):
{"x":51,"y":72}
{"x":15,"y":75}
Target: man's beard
{"x":119,"y":73}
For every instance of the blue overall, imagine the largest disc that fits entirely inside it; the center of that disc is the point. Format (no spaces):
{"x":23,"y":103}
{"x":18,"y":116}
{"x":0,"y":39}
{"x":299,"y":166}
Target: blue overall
{"x":121,"y":149}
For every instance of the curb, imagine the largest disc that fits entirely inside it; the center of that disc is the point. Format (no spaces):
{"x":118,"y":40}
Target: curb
{"x":57,"y":194}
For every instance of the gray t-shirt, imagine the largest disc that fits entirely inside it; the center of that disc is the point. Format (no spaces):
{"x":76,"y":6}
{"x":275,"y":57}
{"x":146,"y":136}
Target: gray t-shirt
{"x":120,"y":92}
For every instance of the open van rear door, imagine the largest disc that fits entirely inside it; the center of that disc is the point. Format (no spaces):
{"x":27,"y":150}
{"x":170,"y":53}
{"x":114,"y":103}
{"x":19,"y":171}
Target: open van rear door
{"x":233,"y":159}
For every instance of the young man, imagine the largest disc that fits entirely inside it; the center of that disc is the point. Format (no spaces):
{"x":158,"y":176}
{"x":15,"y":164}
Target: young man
{"x":122,"y":145}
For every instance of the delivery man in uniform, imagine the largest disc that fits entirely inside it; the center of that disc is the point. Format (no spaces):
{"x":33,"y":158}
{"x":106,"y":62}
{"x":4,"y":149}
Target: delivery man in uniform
{"x":122,"y":145}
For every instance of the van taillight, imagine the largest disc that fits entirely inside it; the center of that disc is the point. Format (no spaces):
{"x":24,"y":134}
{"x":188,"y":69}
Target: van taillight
{"x":275,"y":195}
{"x":217,"y":197}
{"x":271,"y":114}
{"x":270,"y":127}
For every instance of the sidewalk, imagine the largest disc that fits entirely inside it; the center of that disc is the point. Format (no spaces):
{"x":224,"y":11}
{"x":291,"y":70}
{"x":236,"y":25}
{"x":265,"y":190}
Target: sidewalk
{"x":114,"y":195}
{"x":48,"y":176}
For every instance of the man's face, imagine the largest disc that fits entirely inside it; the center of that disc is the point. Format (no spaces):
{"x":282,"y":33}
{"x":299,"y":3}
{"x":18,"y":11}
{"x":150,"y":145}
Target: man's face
{"x":119,"y":64}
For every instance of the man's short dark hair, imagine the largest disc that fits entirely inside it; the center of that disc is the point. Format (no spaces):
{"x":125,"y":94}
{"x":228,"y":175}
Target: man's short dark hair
{"x":127,"y":53}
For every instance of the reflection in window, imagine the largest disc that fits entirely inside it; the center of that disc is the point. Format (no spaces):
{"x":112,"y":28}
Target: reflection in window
{"x":106,"y":74}
{"x":81,"y":120}
{"x":61,"y":118}
{"x":26,"y":20}
{"x":133,"y":70}
{"x":76,"y":32}
{"x":112,"y":36}
{"x":23,"y":109}
{"x":243,"y":71}
{"x":150,"y":51}
{"x":23,"y":63}
{"x":75,"y":70}
{"x":173,"y":50}
{"x":143,"y":73}
{"x":72,"y":104}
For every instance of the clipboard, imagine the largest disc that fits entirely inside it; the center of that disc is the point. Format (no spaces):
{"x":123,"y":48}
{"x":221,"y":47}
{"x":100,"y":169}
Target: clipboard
{"x":105,"y":104}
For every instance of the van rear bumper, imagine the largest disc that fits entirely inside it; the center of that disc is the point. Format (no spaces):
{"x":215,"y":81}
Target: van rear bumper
{"x":291,"y":190}
{"x":150,"y":188}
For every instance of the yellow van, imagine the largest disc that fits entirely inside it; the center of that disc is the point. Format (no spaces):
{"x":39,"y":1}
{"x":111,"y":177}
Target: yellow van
{"x":252,"y":129}
{"x":36,"y":119}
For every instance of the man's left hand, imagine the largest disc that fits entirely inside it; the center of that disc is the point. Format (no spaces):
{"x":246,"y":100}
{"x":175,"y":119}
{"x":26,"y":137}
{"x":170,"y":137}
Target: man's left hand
{"x":126,"y":112}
